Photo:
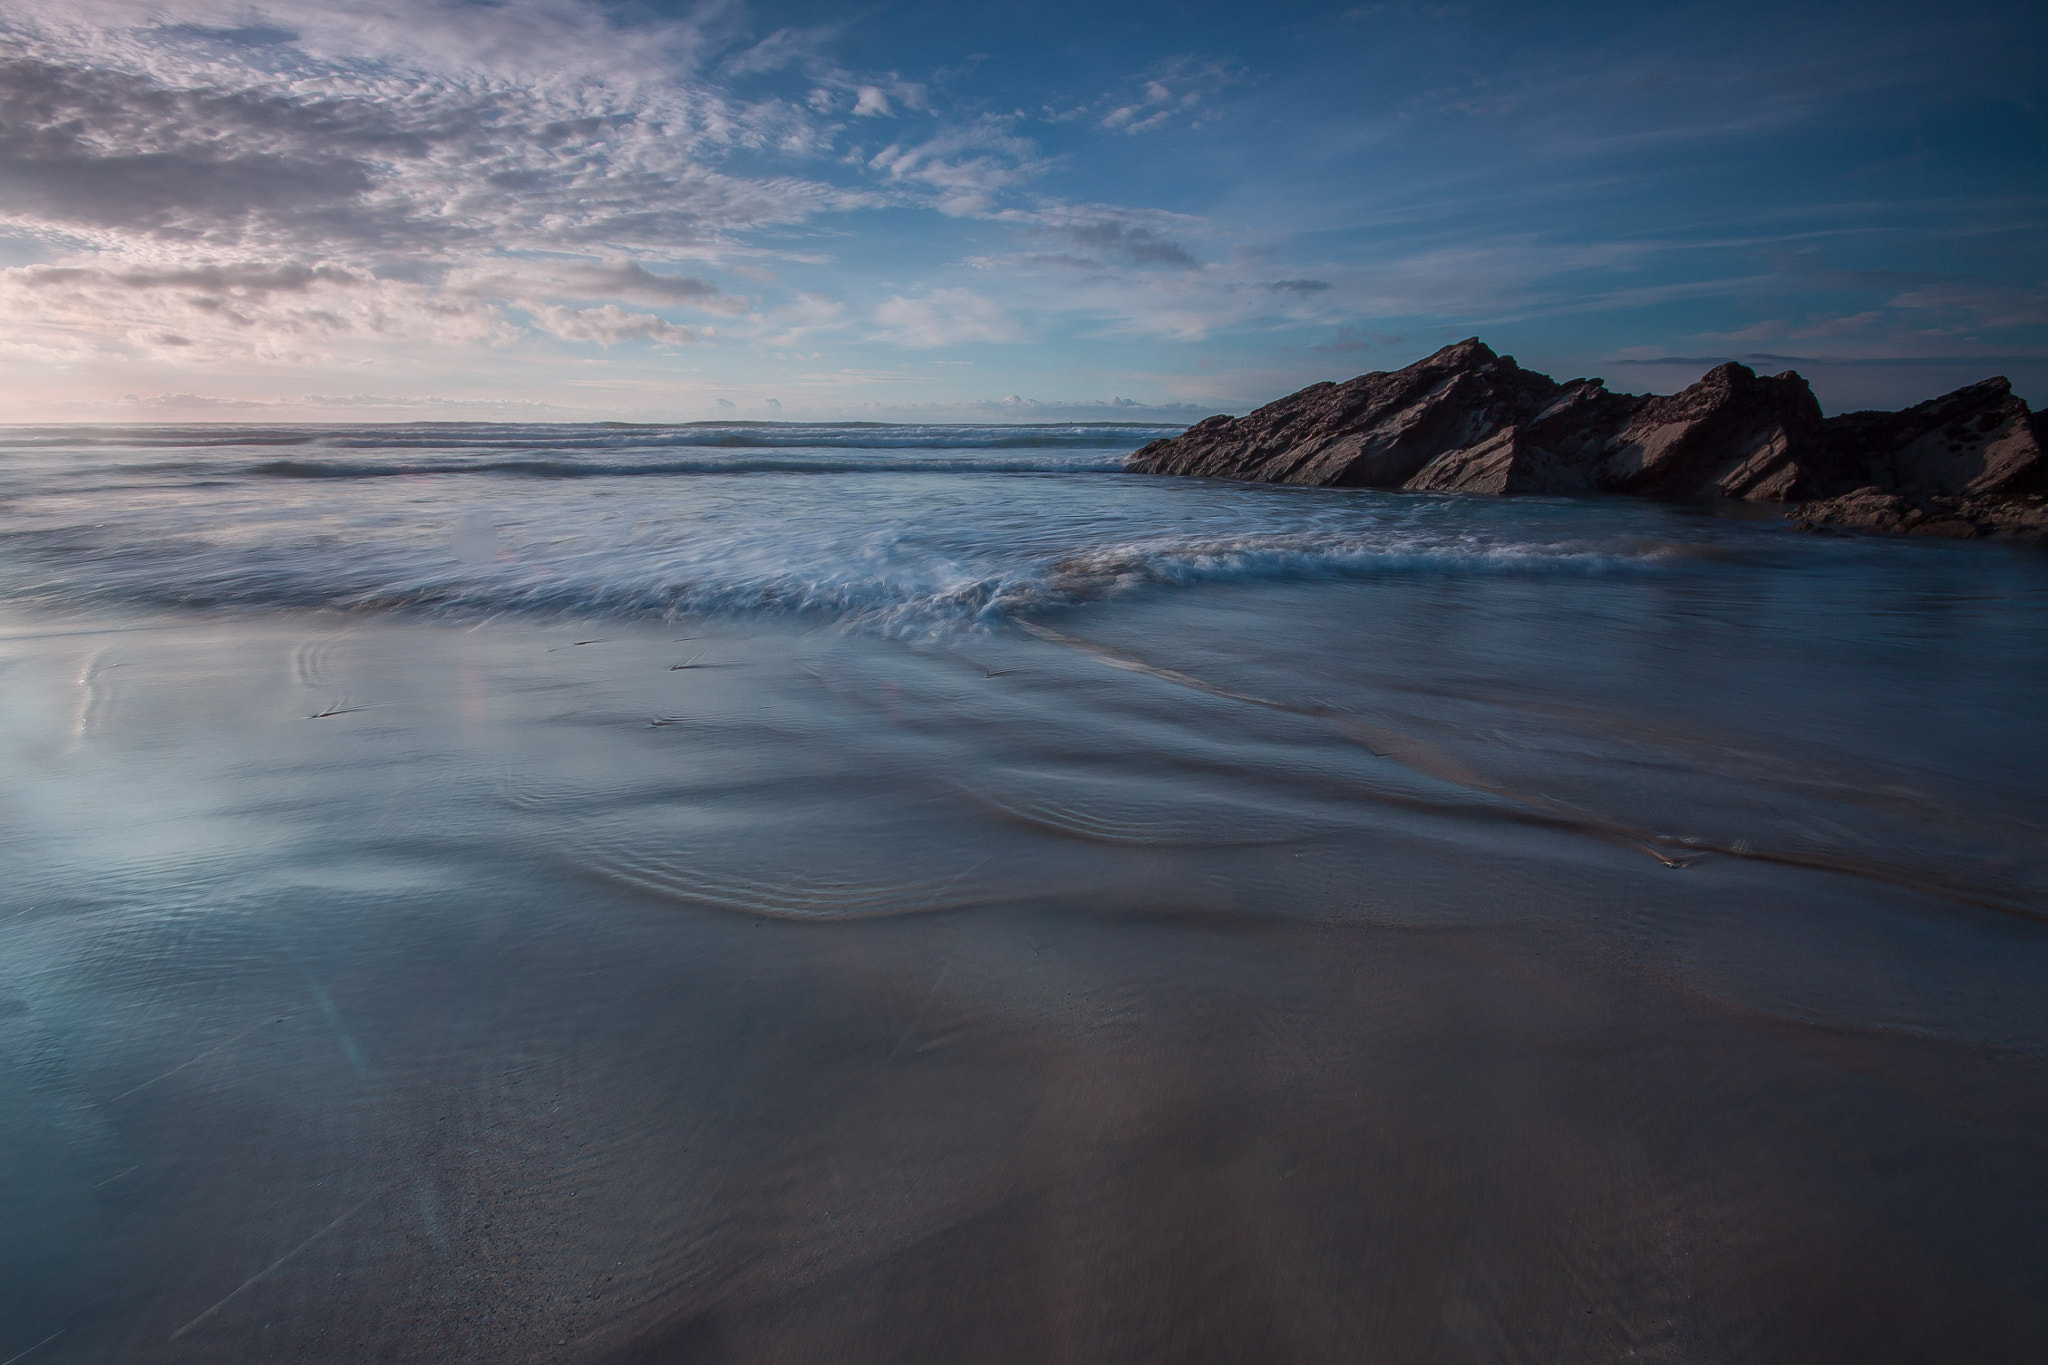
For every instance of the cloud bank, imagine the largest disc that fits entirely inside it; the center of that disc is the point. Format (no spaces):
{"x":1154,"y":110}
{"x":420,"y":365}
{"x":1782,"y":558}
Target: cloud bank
{"x":598,"y":207}
{"x":225,"y":183}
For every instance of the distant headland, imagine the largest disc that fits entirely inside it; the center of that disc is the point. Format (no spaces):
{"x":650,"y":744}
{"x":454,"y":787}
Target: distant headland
{"x":1467,"y":420}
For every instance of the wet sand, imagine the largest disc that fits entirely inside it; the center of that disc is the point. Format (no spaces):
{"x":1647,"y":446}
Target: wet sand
{"x":1143,"y":989}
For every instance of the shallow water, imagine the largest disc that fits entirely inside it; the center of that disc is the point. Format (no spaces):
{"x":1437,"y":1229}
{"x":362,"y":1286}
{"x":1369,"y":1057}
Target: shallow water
{"x":926,"y":895}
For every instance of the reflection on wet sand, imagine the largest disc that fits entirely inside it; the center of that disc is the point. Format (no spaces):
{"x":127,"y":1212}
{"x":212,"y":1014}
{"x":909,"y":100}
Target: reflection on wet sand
{"x":509,"y":994}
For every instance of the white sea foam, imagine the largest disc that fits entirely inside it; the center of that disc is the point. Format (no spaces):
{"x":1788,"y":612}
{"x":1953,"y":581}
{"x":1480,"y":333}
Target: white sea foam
{"x":903,"y":529}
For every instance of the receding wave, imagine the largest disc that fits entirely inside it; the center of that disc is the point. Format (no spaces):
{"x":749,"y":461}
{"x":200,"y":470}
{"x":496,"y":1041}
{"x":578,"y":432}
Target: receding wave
{"x":1312,"y":555}
{"x":473,"y":520}
{"x":898,"y":588}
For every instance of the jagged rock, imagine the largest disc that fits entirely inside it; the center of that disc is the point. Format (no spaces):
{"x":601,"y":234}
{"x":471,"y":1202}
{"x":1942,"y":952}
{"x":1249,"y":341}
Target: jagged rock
{"x":1505,"y":462}
{"x":1872,"y":509}
{"x":1375,"y":431}
{"x":1977,"y":440}
{"x":1580,"y":423}
{"x":1732,"y":435}
{"x":1466,"y":420}
{"x":1498,"y":464}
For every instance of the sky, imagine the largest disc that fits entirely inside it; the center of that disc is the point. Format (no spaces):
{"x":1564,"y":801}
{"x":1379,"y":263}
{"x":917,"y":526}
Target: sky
{"x":565,"y":210}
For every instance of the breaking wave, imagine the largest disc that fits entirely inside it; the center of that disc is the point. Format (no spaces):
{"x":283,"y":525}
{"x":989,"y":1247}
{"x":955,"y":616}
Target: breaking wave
{"x":926,"y":529}
{"x":895,"y":589}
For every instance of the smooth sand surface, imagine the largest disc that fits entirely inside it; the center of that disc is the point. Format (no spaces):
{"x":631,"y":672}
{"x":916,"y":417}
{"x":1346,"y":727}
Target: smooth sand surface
{"x":1133,"y":992}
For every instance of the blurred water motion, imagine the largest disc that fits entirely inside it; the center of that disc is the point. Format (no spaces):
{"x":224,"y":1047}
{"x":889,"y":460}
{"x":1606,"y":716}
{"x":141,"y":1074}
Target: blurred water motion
{"x":1492,"y":932}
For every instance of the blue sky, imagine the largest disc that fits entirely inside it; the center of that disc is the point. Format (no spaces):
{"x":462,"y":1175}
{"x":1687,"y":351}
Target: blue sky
{"x":556,"y":209}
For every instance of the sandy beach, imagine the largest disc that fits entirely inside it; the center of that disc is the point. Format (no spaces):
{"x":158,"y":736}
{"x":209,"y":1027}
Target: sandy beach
{"x":726,"y":990}
{"x":769,"y":682}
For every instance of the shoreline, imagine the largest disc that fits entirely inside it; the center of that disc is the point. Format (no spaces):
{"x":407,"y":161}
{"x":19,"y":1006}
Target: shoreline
{"x":1202,"y":982}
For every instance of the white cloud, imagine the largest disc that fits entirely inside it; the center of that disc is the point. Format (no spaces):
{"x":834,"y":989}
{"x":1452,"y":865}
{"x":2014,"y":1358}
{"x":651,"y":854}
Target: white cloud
{"x":315,"y":405}
{"x":207,"y":312}
{"x":1978,"y":302}
{"x":210,"y":179}
{"x":967,"y":166}
{"x":609,"y":325}
{"x":1102,"y":236}
{"x":329,"y":164}
{"x":803,"y":318}
{"x":802,"y":48}
{"x":945,"y":317}
{"x":625,"y":280}
{"x":1174,"y":92}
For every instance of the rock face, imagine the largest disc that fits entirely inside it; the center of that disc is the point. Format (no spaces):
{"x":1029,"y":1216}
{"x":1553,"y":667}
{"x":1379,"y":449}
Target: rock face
{"x":1872,"y":509}
{"x":1376,"y":431}
{"x":1973,"y":442}
{"x":1731,"y":435}
{"x":1466,"y":420}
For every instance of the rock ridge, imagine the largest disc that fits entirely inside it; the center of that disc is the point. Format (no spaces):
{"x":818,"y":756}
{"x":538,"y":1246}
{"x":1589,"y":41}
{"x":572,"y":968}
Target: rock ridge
{"x":1468,"y":420}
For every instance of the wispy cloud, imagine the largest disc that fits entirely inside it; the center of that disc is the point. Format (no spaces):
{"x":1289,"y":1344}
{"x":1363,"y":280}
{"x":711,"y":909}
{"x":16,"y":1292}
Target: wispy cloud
{"x":316,"y":405}
{"x":599,"y":198}
{"x":141,"y":140}
{"x":1130,"y":243}
{"x":1175,"y":91}
{"x":966,"y":165}
{"x":213,"y":313}
{"x":624,"y":280}
{"x":801,"y":321}
{"x":211,"y":181}
{"x":609,"y":325}
{"x":945,"y":317}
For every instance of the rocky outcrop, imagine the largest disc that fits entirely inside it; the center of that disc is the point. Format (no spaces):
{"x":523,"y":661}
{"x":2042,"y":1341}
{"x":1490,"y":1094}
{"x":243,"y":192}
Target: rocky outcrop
{"x":1466,"y":420}
{"x":1974,"y":442}
{"x":2024,"y":516}
{"x":1376,"y":431}
{"x":1731,"y":435}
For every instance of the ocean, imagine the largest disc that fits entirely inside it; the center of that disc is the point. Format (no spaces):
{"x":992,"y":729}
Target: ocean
{"x":885,"y":892}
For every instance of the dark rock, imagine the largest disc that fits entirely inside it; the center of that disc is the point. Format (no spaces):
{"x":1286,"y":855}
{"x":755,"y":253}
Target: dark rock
{"x":1506,"y":462}
{"x":1975,"y":441}
{"x":1731,"y":435}
{"x":1581,"y":423}
{"x":2024,"y":516}
{"x":1375,"y":431}
{"x":1466,"y":420}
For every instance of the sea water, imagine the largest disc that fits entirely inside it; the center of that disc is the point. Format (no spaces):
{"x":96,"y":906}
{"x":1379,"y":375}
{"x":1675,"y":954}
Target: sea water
{"x":896,"y":892}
